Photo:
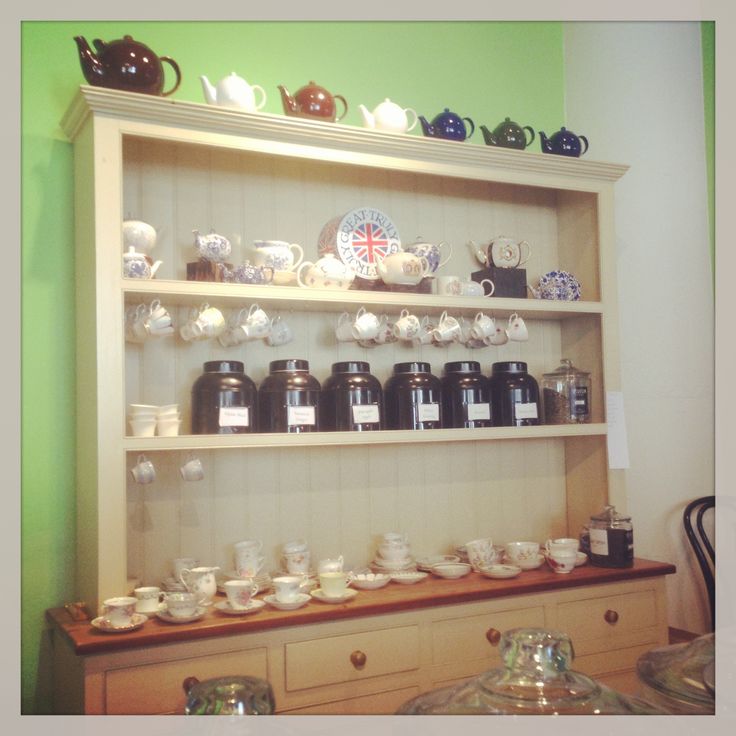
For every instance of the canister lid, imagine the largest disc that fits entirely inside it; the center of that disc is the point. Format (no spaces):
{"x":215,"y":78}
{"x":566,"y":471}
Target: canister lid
{"x":509,"y":366}
{"x":288,"y":365}
{"x":610,"y":514}
{"x":413,"y":367}
{"x":351,"y":366}
{"x":566,"y":368}
{"x":462,"y":366}
{"x":224,"y":366}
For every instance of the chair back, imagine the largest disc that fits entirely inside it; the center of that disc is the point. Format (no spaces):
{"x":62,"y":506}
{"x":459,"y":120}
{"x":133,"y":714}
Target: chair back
{"x":702,"y":546}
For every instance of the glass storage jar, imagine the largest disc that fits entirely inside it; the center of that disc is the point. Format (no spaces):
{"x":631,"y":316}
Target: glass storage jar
{"x":611,"y":539}
{"x":351,"y":399}
{"x":566,"y":395}
{"x":229,"y":696}
{"x":413,"y":397}
{"x":466,"y":395}
{"x":224,"y":400}
{"x":535,"y":679}
{"x":288,"y":398}
{"x":514,"y":395}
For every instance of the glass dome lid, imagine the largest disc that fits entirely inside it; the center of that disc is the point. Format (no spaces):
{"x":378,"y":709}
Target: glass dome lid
{"x":535,"y":680}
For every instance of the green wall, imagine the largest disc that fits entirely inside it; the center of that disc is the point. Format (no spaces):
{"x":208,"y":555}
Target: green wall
{"x":484,"y":70}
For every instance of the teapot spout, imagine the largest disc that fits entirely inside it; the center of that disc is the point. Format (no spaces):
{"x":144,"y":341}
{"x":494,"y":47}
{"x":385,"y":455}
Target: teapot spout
{"x":546,"y":142}
{"x":289,"y":103}
{"x":210,"y":93}
{"x":427,"y":127}
{"x":154,"y":268}
{"x":369,"y":120}
{"x":488,"y":136}
{"x":92,"y":68}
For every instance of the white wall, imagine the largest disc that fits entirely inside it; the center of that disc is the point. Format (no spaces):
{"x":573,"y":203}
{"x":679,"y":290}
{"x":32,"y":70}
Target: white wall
{"x":635,"y":91}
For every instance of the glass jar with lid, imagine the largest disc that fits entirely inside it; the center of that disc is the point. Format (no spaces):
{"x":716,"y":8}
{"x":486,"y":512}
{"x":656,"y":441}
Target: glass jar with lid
{"x":351,"y":399}
{"x":288,"y":398}
{"x":413,"y":397}
{"x":566,"y":395}
{"x":535,"y":679}
{"x":466,"y":395}
{"x":514,"y":395}
{"x":611,"y":539}
{"x":224,"y":399}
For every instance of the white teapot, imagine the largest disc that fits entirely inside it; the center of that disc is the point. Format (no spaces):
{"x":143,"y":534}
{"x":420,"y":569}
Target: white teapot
{"x":277,"y":254}
{"x":138,"y":265}
{"x":403,"y":268}
{"x":139,"y":235}
{"x":233,"y":91}
{"x":388,"y":116}
{"x":327,"y":273}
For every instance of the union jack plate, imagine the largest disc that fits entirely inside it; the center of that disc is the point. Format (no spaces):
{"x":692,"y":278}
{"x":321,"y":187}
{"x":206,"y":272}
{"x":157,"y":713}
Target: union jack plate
{"x":361,"y":238}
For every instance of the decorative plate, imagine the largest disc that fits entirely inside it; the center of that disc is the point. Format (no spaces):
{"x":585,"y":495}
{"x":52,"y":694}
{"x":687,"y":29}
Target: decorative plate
{"x":371,"y":580}
{"x":559,"y":285}
{"x":407,"y":578}
{"x":101,"y":624}
{"x":500,"y":572}
{"x":320,"y":595}
{"x":360,"y":238}
{"x":301,"y":600}
{"x":164,"y":615}
{"x":253,"y":606}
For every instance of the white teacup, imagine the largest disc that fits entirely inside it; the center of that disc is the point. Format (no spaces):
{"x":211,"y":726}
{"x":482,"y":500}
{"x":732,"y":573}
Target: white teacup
{"x":393,"y":551}
{"x":424,"y":336}
{"x":143,"y":471}
{"x":517,"y":328}
{"x":448,"y":285}
{"x":522,"y":551}
{"x":395,"y":537}
{"x":498,"y":337}
{"x":473,"y":288}
{"x":481,"y":553}
{"x":143,"y":426}
{"x":365,"y":326}
{"x":192,"y":469}
{"x":483,"y":326}
{"x":168,"y":427}
{"x":447,"y":330}
{"x":248,"y":558}
{"x":385,"y":331}
{"x":181,"y":605}
{"x":287,"y":588}
{"x":562,"y":545}
{"x":118,"y":612}
{"x":407,"y":326}
{"x":147,"y":599}
{"x":191,"y":331}
{"x":239,"y":593}
{"x":330,"y":565}
{"x":279,"y":332}
{"x":562,"y":562}
{"x":256,"y":323}
{"x":344,"y":329}
{"x":334,"y":584}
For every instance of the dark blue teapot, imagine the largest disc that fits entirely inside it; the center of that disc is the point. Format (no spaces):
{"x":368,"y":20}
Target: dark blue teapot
{"x":564,"y":143}
{"x":447,"y":125}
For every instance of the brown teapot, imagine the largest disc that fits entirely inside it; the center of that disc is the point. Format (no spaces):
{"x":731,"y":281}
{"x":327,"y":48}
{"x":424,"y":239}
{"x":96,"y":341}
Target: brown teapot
{"x":312,"y":101}
{"x":125,"y":64}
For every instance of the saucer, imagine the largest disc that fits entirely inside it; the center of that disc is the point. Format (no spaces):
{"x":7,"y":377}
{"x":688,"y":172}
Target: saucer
{"x":164,"y":615}
{"x":284,"y":278}
{"x":390,"y":566}
{"x":426,"y":563}
{"x":407,"y":578}
{"x":100,"y":623}
{"x":451,"y":570}
{"x":371,"y":580}
{"x":500,"y":572}
{"x":253,"y":606}
{"x":527,"y":564}
{"x":298,"y":602}
{"x":320,"y":595}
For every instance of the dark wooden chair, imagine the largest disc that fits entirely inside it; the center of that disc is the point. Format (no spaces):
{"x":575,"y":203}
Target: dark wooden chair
{"x":702,"y":546}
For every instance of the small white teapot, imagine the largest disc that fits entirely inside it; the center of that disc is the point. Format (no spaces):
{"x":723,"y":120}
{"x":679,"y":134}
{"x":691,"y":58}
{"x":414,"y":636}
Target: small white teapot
{"x":403,"y":268}
{"x":137,"y":265}
{"x":388,"y":116}
{"x":233,"y":91}
{"x":327,"y":273}
{"x":138,"y":235}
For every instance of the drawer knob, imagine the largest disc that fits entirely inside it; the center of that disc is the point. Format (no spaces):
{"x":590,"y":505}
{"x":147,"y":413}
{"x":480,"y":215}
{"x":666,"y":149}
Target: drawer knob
{"x":358,"y":659}
{"x":610,"y":616}
{"x":493,"y":636}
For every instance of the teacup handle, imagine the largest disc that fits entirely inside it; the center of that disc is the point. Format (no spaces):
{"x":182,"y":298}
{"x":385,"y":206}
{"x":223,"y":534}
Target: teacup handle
{"x":298,"y":254}
{"x":444,"y":260}
{"x":493,"y":286}
{"x":254,"y":588}
{"x":183,"y":575}
{"x":258,"y":88}
{"x":299,"y":273}
{"x":523,"y":260}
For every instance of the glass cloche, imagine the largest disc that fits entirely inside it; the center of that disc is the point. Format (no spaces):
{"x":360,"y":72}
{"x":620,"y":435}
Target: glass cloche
{"x":535,"y":680}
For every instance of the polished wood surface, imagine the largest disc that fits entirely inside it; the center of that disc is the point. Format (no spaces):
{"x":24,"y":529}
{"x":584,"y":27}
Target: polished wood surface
{"x":433,"y":591}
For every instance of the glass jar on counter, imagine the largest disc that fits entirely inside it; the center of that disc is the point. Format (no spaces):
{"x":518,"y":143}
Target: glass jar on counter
{"x":466,"y":395}
{"x":413,"y":397}
{"x":224,"y":399}
{"x":566,"y":395}
{"x":514,"y":395}
{"x":611,"y":539}
{"x":351,"y":399}
{"x":288,"y":398}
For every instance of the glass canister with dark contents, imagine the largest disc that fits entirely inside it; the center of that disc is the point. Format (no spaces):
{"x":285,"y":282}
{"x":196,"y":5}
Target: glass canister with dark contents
{"x":611,"y":536}
{"x":351,"y":399}
{"x":466,"y":395}
{"x":288,"y":398}
{"x":224,"y":400}
{"x":514,"y":395}
{"x":566,"y":395}
{"x":413,"y":397}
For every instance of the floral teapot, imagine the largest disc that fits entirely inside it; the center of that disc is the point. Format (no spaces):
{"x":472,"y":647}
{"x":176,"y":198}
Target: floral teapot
{"x":327,"y":273}
{"x":246,"y":273}
{"x":403,"y":268}
{"x":233,"y":91}
{"x":312,"y":101}
{"x":212,"y":247}
{"x":447,"y":125}
{"x":430,"y":251}
{"x":388,"y":116}
{"x":138,"y":265}
{"x":564,"y":143}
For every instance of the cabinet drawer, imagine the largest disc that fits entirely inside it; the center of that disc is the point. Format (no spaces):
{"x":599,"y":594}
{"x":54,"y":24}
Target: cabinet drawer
{"x":599,"y":624}
{"x":469,"y":638}
{"x":377,"y":704}
{"x":157,"y":688}
{"x":351,"y":657}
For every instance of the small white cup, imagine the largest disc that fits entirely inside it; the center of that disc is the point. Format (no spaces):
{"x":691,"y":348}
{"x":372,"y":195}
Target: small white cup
{"x":344,"y":329}
{"x":167,"y":427}
{"x":143,"y":426}
{"x":240,"y":592}
{"x":287,"y":588}
{"x":562,"y":545}
{"x":143,"y":471}
{"x":334,"y":564}
{"x":256,"y":323}
{"x":385,"y":332}
{"x":118,"y":612}
{"x":448,"y":285}
{"x":191,"y":331}
{"x":447,"y":330}
{"x":562,"y":562}
{"x":407,"y":326}
{"x":192,"y":470}
{"x":334,"y":584}
{"x":498,"y":337}
{"x":365,"y":325}
{"x":517,"y":329}
{"x":295,"y":545}
{"x":522,"y":551}
{"x":181,"y":605}
{"x":481,"y":553}
{"x":211,"y":320}
{"x":483,"y":326}
{"x":147,"y":599}
{"x":248,"y":560}
{"x":279,"y":332}
{"x":297,"y":563}
{"x":473,"y":288}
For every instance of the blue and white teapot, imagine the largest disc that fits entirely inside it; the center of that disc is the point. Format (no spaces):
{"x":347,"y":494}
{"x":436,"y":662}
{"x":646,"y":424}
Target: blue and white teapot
{"x":212,"y":247}
{"x":247,"y":273}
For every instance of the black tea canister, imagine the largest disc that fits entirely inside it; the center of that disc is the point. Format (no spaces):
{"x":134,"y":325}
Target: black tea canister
{"x":351,"y":399}
{"x":514,"y":395}
{"x":224,"y":400}
{"x":466,"y":396}
{"x":413,"y":397}
{"x":288,"y":398}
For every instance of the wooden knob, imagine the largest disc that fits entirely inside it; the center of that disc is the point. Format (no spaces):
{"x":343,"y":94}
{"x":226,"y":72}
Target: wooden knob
{"x":189,"y":683}
{"x":610,"y":616}
{"x":358,"y":659}
{"x":493,"y":636}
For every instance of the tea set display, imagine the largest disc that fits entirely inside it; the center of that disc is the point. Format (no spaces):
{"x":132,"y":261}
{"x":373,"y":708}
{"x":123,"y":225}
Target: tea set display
{"x":109,"y":65}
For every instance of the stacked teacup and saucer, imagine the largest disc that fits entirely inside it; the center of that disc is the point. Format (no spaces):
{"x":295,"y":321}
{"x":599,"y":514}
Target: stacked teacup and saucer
{"x":249,"y":563}
{"x":296,"y":560}
{"x":394,"y":557}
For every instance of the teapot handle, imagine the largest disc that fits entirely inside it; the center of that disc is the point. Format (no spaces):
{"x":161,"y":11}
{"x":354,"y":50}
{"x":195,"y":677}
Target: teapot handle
{"x":416,"y":118}
{"x":523,"y":260}
{"x":175,"y":67}
{"x":531,"y":140}
{"x":263,"y":95}
{"x":449,"y":253}
{"x":584,"y":140}
{"x":345,"y":105}
{"x":299,"y":273}
{"x":472,"y":127}
{"x":298,"y":253}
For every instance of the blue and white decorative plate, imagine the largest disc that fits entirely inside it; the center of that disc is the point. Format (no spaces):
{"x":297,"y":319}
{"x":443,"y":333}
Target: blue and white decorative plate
{"x":560,"y":285}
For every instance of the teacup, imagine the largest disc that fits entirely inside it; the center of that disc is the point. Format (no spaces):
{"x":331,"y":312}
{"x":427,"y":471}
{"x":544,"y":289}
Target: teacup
{"x":295,"y":545}
{"x":192,"y":469}
{"x":168,"y":427}
{"x":483,"y":326}
{"x":344,"y":329}
{"x":287,"y":588}
{"x":407,"y":326}
{"x":255,"y":323}
{"x":365,"y":326}
{"x":498,"y":337}
{"x":395,"y":537}
{"x":481,"y":553}
{"x":119,"y":611}
{"x":473,"y":288}
{"x":562,"y":562}
{"x":385,"y":332}
{"x":239,"y":593}
{"x":330,"y":565}
{"x":424,"y":336}
{"x":147,"y":599}
{"x":181,"y":605}
{"x":334,"y":584}
{"x":517,"y":329}
{"x":447,"y":330}
{"x":522,"y":551}
{"x":447,"y":285}
{"x":248,"y":560}
{"x":562,"y":545}
{"x":142,"y":426}
{"x":297,"y":563}
{"x":182,"y":563}
{"x":143,"y":471}
{"x":393,"y":551}
{"x":279,"y":332}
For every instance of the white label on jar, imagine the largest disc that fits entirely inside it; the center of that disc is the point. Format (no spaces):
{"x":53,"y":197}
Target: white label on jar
{"x":297,"y":415}
{"x":365,"y":413}
{"x":479,"y":411}
{"x":599,"y":542}
{"x":526,"y":411}
{"x":428,"y":412}
{"x":234,"y":416}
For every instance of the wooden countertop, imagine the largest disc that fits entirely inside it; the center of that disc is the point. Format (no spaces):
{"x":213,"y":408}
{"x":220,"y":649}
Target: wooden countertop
{"x":432,"y":591}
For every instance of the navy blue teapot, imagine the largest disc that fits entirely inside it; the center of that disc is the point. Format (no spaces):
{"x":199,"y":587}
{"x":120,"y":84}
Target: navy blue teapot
{"x":564,"y":143}
{"x":508,"y":134}
{"x":447,"y":125}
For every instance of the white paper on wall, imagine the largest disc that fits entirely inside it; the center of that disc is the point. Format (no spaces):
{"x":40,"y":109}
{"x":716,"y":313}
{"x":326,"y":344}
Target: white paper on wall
{"x":618,"y":445}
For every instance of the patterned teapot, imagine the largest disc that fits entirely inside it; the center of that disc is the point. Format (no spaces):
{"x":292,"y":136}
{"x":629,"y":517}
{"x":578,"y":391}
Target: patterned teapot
{"x":247,"y":273}
{"x":212,"y":247}
{"x":327,"y":273}
{"x":403,"y":268}
{"x":138,"y":265}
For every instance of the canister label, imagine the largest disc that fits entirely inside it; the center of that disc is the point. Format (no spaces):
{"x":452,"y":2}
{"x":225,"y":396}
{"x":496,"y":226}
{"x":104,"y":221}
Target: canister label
{"x":234,"y":416}
{"x":599,"y":542}
{"x":365,"y":414}
{"x":428,"y":412}
{"x":526,"y":411}
{"x":300,"y":415}
{"x":478,"y":411}
{"x":579,"y":396}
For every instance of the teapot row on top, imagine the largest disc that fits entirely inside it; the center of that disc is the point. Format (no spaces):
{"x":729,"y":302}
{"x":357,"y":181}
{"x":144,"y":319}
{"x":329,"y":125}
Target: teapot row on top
{"x":129,"y":65}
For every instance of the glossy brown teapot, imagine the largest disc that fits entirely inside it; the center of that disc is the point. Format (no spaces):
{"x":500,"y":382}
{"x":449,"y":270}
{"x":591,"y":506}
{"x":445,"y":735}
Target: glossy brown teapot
{"x":312,"y":101}
{"x":125,"y":64}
